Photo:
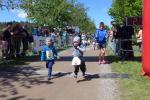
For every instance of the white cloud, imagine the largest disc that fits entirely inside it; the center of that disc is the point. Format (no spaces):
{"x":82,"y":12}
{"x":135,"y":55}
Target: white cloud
{"x":22,"y":14}
{"x":19,"y":13}
{"x":14,"y":10}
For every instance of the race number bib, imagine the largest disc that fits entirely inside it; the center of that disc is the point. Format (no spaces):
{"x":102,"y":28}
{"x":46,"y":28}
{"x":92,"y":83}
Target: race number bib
{"x":49,"y":54}
{"x":76,"y":61}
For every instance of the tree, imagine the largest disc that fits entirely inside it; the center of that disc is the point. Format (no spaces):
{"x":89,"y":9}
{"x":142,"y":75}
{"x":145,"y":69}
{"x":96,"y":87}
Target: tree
{"x":57,"y":13}
{"x":53,"y":13}
{"x":124,"y":8}
{"x":9,"y":4}
{"x":107,"y":27}
{"x":45,"y":11}
{"x":80,"y":18}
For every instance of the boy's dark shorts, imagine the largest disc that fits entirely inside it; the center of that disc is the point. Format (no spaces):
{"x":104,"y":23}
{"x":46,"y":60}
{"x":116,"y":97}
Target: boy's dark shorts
{"x":102,"y":45}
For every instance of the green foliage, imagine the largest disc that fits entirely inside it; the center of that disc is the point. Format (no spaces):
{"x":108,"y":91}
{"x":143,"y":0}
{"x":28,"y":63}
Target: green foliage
{"x":107,"y":27}
{"x":53,"y":13}
{"x":9,"y":4}
{"x":58,"y":13}
{"x":123,"y":8}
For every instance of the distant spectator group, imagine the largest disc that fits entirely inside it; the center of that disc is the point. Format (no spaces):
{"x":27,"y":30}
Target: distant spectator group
{"x":12,"y":37}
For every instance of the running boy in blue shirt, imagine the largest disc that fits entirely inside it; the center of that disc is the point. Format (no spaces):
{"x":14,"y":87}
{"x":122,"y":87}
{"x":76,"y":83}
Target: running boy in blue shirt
{"x":49,"y":54}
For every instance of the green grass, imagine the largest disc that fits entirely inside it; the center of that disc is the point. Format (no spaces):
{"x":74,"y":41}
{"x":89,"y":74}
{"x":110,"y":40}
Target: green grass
{"x":136,"y":87}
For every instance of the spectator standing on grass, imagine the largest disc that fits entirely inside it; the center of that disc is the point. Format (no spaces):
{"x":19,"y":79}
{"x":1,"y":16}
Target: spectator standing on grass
{"x":139,"y":38}
{"x":126,"y":42}
{"x":65,"y":38}
{"x":16,"y":38}
{"x":25,"y":40}
{"x":6,"y":41}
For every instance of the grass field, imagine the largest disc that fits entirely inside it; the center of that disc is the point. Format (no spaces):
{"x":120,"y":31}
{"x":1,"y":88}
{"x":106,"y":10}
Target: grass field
{"x":136,"y":87}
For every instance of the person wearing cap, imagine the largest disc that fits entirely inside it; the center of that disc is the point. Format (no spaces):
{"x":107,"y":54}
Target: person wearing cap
{"x":79,"y":49}
{"x":49,"y":54}
{"x":101,"y":38}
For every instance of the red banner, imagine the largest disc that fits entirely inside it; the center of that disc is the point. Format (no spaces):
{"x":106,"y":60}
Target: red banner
{"x":146,"y":39}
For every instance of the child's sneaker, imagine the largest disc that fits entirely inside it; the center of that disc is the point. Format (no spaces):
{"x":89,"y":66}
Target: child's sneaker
{"x":103,"y":62}
{"x":49,"y":78}
{"x":99,"y":62}
{"x":83,"y":75}
{"x":75,"y":76}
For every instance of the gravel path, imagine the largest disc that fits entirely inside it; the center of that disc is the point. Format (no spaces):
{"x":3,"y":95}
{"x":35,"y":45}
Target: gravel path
{"x":28,"y":82}
{"x":109,"y":88}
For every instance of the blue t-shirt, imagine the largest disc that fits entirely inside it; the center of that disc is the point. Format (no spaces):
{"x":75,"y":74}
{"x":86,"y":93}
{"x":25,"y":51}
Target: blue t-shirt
{"x":101,"y":36}
{"x":48,"y":53}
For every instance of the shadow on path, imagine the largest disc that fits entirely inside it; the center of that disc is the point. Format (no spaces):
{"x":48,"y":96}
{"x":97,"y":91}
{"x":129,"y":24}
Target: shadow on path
{"x":89,"y":77}
{"x":26,"y":78}
{"x":60,"y":74}
{"x":87,"y":58}
{"x":112,"y":58}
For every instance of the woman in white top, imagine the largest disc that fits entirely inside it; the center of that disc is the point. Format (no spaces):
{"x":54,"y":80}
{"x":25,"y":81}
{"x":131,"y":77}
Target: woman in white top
{"x":139,"y":38}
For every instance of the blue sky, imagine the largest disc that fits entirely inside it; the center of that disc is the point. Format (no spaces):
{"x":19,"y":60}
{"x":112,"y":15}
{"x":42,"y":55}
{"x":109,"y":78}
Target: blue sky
{"x":12,"y":15}
{"x":97,"y":10}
